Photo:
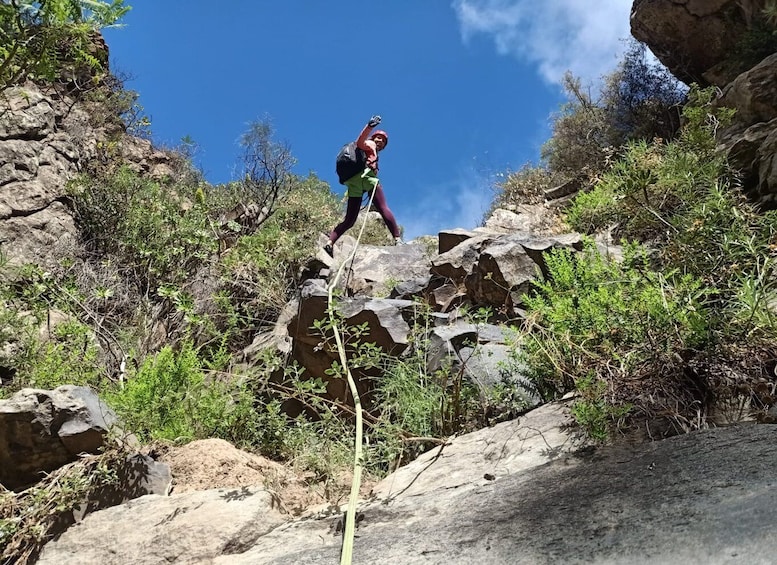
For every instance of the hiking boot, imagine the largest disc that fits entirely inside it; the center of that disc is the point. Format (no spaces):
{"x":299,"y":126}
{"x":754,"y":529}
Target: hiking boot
{"x":399,"y":241}
{"x":329,"y":250}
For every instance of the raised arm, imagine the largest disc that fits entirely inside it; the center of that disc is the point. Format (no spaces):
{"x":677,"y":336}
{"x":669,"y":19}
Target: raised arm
{"x":367,"y":145}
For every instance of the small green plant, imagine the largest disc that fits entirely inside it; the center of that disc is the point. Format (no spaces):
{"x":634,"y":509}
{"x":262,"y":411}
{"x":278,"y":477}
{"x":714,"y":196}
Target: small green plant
{"x":69,"y":356}
{"x":759,"y":41}
{"x":592,"y":410}
{"x":30,"y":518}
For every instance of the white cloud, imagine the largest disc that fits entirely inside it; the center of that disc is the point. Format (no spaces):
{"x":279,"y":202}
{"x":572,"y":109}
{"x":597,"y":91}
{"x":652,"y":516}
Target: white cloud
{"x":555,"y":35}
{"x":458,"y":203}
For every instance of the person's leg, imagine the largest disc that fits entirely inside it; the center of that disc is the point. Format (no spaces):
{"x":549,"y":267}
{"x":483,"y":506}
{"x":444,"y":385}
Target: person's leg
{"x":351,"y":213}
{"x":379,"y":200}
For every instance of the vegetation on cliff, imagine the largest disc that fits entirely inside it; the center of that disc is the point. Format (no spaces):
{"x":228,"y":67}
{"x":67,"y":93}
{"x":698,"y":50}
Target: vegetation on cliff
{"x":173,"y":277}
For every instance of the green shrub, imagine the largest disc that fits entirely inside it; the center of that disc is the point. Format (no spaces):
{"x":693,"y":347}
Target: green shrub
{"x":682,"y":198}
{"x":580,"y":144}
{"x":70,"y":356}
{"x":45,"y":41}
{"x":641,"y":100}
{"x":648,"y":191}
{"x":112,"y":107}
{"x":174,"y":397}
{"x":261,"y":271}
{"x":594,"y":320}
{"x":594,"y":210}
{"x":592,"y":410}
{"x":158,"y":234}
{"x":758,"y":42}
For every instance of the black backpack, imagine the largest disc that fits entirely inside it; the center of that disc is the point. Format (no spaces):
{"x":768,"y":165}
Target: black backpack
{"x":350,"y":161}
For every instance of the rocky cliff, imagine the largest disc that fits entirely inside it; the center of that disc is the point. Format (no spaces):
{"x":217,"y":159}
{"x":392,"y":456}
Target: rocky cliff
{"x":528,"y":490}
{"x":730,"y":44}
{"x":47,"y":138}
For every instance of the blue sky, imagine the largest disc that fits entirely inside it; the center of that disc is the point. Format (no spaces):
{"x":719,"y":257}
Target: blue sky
{"x":466,"y":88}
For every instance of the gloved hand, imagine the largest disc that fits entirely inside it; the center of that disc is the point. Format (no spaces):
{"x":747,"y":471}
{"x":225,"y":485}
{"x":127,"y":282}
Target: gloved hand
{"x":374,"y":121}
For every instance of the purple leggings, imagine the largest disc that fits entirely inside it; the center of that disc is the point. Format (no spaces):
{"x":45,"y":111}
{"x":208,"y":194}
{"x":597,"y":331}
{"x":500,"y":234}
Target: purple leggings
{"x":352,"y":212}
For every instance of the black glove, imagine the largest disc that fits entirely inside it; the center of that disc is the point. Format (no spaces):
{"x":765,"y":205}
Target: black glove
{"x":374,"y":121}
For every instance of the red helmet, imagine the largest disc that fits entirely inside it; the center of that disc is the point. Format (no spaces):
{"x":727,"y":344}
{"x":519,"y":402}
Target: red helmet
{"x":381,"y":133}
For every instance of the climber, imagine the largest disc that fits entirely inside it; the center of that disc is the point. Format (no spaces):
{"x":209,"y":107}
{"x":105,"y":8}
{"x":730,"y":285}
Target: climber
{"x":357,"y":168}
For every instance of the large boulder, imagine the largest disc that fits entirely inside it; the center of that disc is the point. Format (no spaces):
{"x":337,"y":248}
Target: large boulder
{"x":521,"y":492}
{"x":496,"y":269}
{"x":194,"y":527}
{"x":386,"y":321}
{"x":750,"y":142}
{"x":478,"y":353}
{"x":41,"y":430}
{"x":695,"y":38}
{"x":247,"y":524}
{"x":375,"y":270}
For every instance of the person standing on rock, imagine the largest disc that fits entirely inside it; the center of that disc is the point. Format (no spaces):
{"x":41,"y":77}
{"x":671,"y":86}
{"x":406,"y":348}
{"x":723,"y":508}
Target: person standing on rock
{"x":357,"y":169}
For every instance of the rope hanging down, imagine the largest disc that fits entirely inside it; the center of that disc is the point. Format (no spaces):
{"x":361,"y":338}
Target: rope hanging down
{"x":346,"y":553}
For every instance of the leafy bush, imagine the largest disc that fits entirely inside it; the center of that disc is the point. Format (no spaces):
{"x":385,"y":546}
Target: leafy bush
{"x":262,"y":270}
{"x":158,"y":234}
{"x":654,"y":182}
{"x":640,"y":100}
{"x":595,"y":324}
{"x":173,"y":396}
{"x":626,"y":335}
{"x":758,"y":42}
{"x":580,"y":144}
{"x":70,"y":356}
{"x":44,"y":40}
{"x":44,"y":344}
{"x":267,"y":179}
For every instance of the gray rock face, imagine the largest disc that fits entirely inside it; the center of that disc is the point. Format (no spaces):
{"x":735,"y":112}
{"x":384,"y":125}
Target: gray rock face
{"x":479,"y":268}
{"x":750,"y":143}
{"x":45,"y":142}
{"x":479,"y":354}
{"x":692,"y":38}
{"x":376,"y":270}
{"x":496,"y":269}
{"x":527,"y":491}
{"x":753,"y":94}
{"x":386,"y":320}
{"x":155,"y":530}
{"x":42,"y":430}
{"x":37,"y":159}
{"x":690,"y":500}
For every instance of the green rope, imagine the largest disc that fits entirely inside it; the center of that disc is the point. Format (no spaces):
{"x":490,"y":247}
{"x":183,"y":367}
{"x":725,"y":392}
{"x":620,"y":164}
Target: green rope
{"x":346,"y":553}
